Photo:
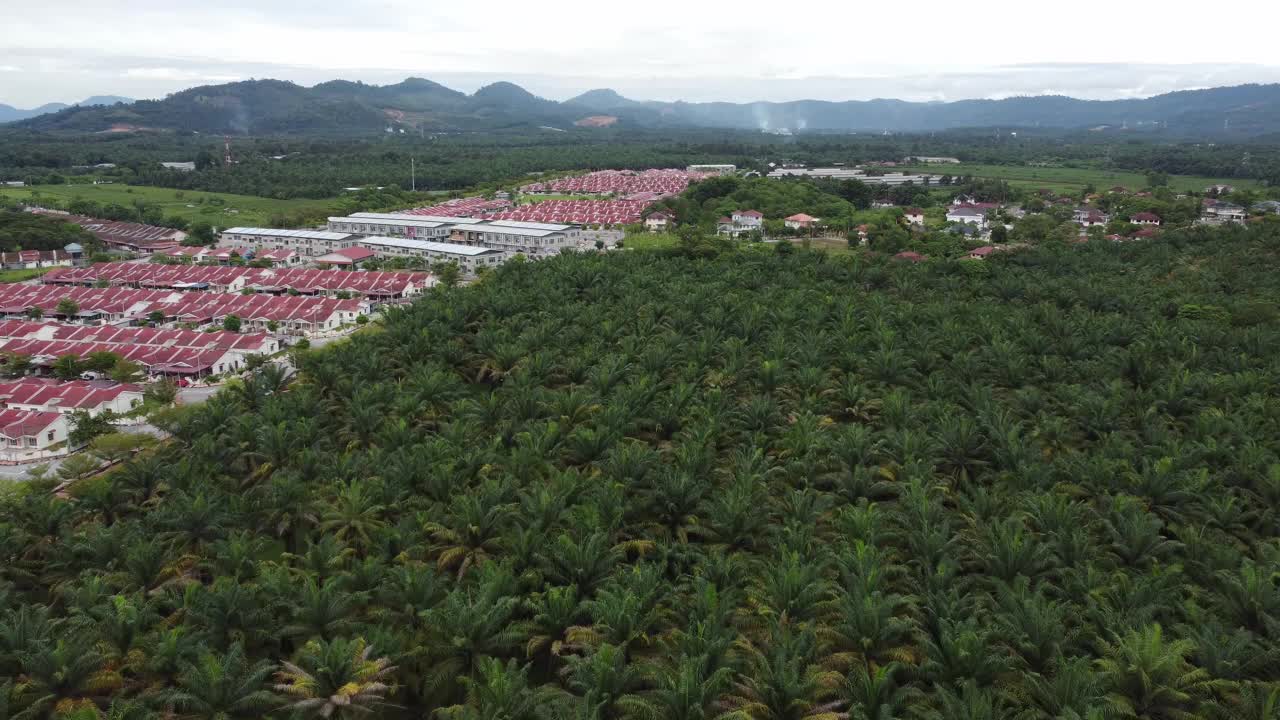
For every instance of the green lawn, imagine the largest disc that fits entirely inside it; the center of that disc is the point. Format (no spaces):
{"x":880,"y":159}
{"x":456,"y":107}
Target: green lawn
{"x":14,"y":276}
{"x":650,"y":241}
{"x":1072,"y":179}
{"x":220,"y":209}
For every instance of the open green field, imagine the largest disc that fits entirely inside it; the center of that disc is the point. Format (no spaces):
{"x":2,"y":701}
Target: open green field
{"x":1071,"y":179}
{"x":650,"y":241}
{"x":15,"y":276}
{"x":219,"y":209}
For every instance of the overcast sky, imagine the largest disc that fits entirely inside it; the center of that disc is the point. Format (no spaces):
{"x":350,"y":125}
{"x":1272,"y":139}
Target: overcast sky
{"x":66,"y":50}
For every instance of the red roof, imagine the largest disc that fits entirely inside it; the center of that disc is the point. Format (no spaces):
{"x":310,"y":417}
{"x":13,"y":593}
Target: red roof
{"x":914,"y":211}
{"x":53,"y":394}
{"x":750,"y":213}
{"x":25,"y":423}
{"x":801,"y":217}
{"x":144,"y":275}
{"x":1145,"y":217}
{"x":910,"y":256}
{"x":622,"y":182}
{"x":355,"y":253}
{"x":983,"y":251}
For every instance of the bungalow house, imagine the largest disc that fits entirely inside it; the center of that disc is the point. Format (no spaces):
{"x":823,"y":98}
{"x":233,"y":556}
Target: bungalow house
{"x":228,"y":255}
{"x":1090,"y":218}
{"x":741,"y":222}
{"x":24,"y":433}
{"x":1145,"y":219}
{"x":914,"y":216}
{"x":1268,"y":206}
{"x":657,"y":222}
{"x":981,"y":253}
{"x":967,"y":216}
{"x":800,"y":221}
{"x":194,"y":254}
{"x":346,"y":258}
{"x":1226,"y":212}
{"x":279,"y":258}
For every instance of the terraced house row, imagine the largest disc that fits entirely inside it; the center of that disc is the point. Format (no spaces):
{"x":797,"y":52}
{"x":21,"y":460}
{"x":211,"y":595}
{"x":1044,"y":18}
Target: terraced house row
{"x":300,"y":314}
{"x":382,"y":286}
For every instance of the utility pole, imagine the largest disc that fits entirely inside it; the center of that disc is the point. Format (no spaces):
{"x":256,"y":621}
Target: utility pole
{"x":413,"y":174}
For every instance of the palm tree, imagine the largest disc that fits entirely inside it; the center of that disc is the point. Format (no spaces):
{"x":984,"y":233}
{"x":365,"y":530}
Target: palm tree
{"x":338,"y":678}
{"x":878,"y":693}
{"x":353,"y":516}
{"x":600,"y":678}
{"x":685,"y":689}
{"x":499,"y":692}
{"x":1150,"y":677}
{"x":220,"y":687}
{"x":781,"y":681}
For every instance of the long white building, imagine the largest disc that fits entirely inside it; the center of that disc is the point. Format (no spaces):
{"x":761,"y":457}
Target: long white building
{"x":533,"y":239}
{"x":387,"y":227}
{"x":308,"y":243}
{"x":468,"y":257}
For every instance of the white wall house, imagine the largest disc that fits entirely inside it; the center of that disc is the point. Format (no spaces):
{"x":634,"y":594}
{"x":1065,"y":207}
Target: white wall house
{"x":968,"y":216}
{"x":25,"y":434}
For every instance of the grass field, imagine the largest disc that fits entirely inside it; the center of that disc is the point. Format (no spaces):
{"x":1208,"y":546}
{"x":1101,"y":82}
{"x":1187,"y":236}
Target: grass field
{"x":1072,"y":179}
{"x":15,"y":276}
{"x":219,"y":209}
{"x":650,"y":241}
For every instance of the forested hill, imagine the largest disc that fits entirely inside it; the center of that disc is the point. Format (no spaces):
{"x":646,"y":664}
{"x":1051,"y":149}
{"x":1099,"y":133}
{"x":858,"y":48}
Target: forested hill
{"x":701,"y":485}
{"x":263,"y":107}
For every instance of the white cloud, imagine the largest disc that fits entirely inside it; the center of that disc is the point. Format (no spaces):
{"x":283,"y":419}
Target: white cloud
{"x":10,"y":68}
{"x":662,"y":48}
{"x":168,"y":73}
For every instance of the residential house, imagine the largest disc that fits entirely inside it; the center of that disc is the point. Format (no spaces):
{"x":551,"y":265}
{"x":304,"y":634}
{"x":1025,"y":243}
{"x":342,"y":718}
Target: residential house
{"x":967,"y":216}
{"x":1268,"y":206}
{"x":1220,"y":189}
{"x":1226,"y":212}
{"x":740,"y":223}
{"x":1091,"y":218}
{"x":278,"y":258}
{"x":35,"y":259}
{"x":1145,"y":219}
{"x":981,"y":253}
{"x":914,"y":216}
{"x":48,"y":395}
{"x":657,"y":222}
{"x":348,"y":258}
{"x":194,"y":254}
{"x":24,"y":434}
{"x":800,"y":221}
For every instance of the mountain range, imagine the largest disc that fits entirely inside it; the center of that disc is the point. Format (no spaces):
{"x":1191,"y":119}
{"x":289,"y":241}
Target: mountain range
{"x":263,"y":107}
{"x":8,"y":113}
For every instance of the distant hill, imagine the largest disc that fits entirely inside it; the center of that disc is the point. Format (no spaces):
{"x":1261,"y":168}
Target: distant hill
{"x":343,"y":107}
{"x":8,"y":113}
